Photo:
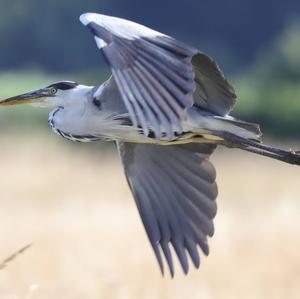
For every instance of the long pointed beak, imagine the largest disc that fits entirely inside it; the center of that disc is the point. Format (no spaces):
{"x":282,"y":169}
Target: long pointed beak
{"x":26,"y":98}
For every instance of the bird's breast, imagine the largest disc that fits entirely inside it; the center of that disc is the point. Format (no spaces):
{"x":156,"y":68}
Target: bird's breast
{"x":54,"y":124}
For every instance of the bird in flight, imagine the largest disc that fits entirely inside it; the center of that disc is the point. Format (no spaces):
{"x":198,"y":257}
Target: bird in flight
{"x":167,"y":107}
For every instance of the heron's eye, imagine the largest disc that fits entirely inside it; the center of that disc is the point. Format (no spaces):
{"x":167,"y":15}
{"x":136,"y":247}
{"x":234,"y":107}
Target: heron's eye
{"x":53,"y":90}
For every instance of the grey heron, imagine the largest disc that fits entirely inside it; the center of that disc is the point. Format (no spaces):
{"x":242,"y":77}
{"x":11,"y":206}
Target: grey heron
{"x":167,"y":107}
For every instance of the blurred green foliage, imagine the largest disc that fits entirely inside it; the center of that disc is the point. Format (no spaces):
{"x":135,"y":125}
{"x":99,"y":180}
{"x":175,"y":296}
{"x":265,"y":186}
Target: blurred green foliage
{"x":48,"y":34}
{"x":270,"y":91}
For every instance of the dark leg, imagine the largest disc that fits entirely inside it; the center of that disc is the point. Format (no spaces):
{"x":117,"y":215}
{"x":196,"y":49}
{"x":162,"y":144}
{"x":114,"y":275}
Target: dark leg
{"x":231,"y":140}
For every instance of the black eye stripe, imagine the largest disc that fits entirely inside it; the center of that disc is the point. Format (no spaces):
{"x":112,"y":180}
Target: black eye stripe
{"x":64,"y":85}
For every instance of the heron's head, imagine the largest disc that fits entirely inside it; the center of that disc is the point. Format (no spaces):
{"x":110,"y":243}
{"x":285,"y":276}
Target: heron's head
{"x":58,"y":94}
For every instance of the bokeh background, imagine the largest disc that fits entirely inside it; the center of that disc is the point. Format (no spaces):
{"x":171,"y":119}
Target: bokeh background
{"x":71,"y":200}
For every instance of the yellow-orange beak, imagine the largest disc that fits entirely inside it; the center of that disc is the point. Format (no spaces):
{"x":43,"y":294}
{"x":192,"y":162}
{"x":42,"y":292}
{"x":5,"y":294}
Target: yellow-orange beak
{"x":26,"y":98}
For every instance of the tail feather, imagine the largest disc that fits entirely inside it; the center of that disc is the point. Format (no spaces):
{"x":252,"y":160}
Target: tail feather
{"x":250,"y":128}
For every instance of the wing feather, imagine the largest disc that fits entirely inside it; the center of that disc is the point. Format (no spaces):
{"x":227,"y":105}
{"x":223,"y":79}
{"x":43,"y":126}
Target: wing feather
{"x":213,"y":92}
{"x":174,"y":189}
{"x":156,"y":72}
{"x":137,"y":54}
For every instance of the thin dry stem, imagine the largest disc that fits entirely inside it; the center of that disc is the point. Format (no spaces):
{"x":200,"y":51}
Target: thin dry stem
{"x":13,"y":256}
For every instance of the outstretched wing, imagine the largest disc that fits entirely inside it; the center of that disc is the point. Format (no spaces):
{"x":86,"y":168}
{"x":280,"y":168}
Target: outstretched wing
{"x":174,"y":189}
{"x":153,"y":72}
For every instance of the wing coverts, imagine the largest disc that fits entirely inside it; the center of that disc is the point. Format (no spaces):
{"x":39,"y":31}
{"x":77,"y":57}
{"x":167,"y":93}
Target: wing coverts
{"x":153,"y":72}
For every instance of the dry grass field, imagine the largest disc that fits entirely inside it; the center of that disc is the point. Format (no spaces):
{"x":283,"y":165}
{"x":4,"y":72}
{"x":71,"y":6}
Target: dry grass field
{"x":72,"y":203}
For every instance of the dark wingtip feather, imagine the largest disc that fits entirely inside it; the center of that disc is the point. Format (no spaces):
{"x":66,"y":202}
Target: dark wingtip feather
{"x":168,"y":256}
{"x":158,"y":257}
{"x":205,"y":248}
{"x":181,"y":254}
{"x":191,"y":247}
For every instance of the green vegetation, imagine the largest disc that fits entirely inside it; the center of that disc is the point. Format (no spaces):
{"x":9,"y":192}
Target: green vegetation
{"x":270,"y":92}
{"x":48,"y":34}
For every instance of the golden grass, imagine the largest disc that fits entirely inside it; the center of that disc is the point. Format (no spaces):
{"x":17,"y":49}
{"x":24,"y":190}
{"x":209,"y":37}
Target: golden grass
{"x":73,"y":204}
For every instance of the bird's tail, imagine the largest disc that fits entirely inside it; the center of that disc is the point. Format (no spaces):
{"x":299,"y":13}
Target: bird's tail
{"x":232,"y":140}
{"x":236,"y":133}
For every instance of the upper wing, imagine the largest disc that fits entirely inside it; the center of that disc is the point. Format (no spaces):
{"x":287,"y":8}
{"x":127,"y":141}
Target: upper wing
{"x":213,"y":91}
{"x":174,"y":189}
{"x":153,"y":72}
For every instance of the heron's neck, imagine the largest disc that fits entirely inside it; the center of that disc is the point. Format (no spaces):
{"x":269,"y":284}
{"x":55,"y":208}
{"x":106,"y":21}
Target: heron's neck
{"x":70,"y":122}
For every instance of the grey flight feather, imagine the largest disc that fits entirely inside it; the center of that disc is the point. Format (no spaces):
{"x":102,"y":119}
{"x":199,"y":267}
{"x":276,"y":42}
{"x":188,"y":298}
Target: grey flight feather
{"x":153,"y":72}
{"x":213,"y":92}
{"x":174,"y":189}
{"x":158,"y":77}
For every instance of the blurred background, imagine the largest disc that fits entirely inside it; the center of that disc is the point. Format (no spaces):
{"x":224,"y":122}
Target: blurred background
{"x":72,"y":201}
